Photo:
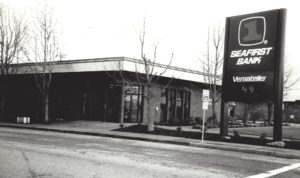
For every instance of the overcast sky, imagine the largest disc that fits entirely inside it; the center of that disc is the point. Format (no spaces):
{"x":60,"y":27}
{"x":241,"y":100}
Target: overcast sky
{"x":98,"y":28}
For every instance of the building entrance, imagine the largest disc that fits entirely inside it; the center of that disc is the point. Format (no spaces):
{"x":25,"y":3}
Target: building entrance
{"x":113,"y":103}
{"x":133,"y":102}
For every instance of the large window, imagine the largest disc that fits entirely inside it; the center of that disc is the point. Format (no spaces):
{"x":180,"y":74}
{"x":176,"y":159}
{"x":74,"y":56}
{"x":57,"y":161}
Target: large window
{"x":175,"y":106}
{"x":133,"y":110}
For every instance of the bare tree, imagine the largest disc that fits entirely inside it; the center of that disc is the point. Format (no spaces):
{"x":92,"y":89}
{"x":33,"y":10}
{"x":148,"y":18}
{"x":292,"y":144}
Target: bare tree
{"x":137,"y":78}
{"x":123,"y":80}
{"x":12,"y":36}
{"x":44,"y":52}
{"x":146,"y":74}
{"x":289,"y":81}
{"x":151,"y":76}
{"x":212,"y":62}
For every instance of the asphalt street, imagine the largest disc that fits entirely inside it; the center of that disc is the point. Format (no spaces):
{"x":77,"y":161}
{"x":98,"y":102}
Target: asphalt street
{"x":29,"y":153}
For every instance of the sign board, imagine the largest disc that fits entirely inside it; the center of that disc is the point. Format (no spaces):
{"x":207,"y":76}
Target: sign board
{"x":205,"y":99}
{"x":205,"y":95}
{"x":247,"y":87}
{"x":205,"y":102}
{"x":205,"y":105}
{"x":251,"y":56}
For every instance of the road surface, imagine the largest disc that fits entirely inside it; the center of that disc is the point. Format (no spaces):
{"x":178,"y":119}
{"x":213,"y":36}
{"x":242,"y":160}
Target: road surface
{"x":29,"y":153}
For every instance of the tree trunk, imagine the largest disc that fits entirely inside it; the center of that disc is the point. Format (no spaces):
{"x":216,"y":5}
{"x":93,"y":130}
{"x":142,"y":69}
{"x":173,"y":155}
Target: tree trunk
{"x":149,"y":117}
{"x":2,"y":96}
{"x":249,"y":112}
{"x":2,"y":105}
{"x":270,"y":111}
{"x":122,"y":105}
{"x":150,"y":120}
{"x":46,"y":108}
{"x":214,"y":116}
{"x":245,"y":114}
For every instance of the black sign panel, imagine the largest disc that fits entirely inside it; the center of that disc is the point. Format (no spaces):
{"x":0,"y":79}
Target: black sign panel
{"x":249,"y":87}
{"x":251,"y":42}
{"x":251,"y":54}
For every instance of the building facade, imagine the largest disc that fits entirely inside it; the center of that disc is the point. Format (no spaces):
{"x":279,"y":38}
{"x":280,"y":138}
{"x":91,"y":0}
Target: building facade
{"x":96,"y":89}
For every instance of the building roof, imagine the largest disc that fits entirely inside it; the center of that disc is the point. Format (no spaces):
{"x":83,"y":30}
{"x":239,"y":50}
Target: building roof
{"x":116,"y":64}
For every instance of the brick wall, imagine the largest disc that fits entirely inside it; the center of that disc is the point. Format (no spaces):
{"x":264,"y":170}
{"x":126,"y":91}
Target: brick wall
{"x":195,"y":105}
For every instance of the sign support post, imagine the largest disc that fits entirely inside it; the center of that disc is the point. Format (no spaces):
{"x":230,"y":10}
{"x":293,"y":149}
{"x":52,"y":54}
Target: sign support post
{"x":203,"y":126}
{"x":205,"y":101}
{"x":277,"y":128}
{"x":223,"y":119}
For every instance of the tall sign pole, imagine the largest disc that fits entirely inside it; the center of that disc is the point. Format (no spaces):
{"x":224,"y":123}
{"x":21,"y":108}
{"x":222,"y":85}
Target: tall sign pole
{"x":253,"y":62}
{"x":277,"y":128}
{"x":203,"y":125}
{"x":205,"y":102}
{"x":223,"y":119}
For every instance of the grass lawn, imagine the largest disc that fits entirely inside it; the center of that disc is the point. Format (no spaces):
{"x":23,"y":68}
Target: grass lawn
{"x":287,"y":131}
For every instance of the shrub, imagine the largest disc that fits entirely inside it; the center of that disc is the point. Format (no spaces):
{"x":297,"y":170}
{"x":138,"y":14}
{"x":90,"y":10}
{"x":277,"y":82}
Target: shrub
{"x":191,"y":121}
{"x":236,"y":133}
{"x":211,"y":123}
{"x":258,"y":115}
{"x":198,"y":120}
{"x":263,"y":136}
{"x":179,"y":129}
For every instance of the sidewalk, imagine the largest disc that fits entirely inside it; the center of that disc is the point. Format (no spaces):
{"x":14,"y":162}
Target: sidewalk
{"x":105,"y":129}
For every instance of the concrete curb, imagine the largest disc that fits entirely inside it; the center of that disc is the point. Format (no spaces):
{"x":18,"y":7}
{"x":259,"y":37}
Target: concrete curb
{"x":248,"y":150}
{"x":278,"y":154}
{"x":99,"y":134}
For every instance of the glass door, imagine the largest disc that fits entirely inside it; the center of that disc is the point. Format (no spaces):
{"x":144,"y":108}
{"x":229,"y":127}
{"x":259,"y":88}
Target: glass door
{"x":133,"y":104}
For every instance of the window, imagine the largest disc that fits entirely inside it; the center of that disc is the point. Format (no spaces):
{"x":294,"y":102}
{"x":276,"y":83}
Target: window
{"x":175,"y":106}
{"x":133,"y":102}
